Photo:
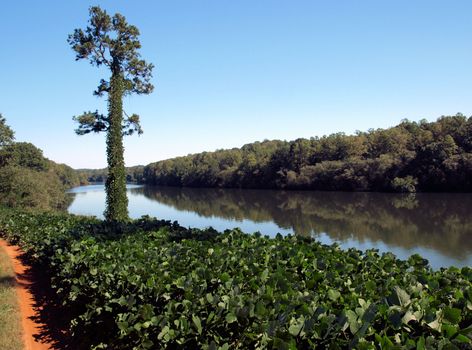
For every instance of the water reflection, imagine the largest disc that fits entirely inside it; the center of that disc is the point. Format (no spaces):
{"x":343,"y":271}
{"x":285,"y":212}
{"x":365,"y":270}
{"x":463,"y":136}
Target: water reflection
{"x":438,"y":226}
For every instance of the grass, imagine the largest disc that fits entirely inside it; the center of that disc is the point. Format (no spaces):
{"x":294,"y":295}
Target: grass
{"x":10,"y":321}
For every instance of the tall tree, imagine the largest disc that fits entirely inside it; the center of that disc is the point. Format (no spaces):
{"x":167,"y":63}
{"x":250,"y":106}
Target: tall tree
{"x":112,"y":42}
{"x":7,"y":135}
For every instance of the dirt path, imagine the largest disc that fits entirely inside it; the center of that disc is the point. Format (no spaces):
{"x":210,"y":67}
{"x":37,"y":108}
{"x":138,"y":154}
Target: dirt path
{"x":25,"y":299}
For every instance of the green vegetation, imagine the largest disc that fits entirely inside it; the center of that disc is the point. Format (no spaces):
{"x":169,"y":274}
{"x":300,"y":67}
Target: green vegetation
{"x":28,"y":179}
{"x":134,"y":174}
{"x":409,"y":157}
{"x":154,"y":284}
{"x":148,"y":283}
{"x":112,"y":42}
{"x":10,"y":323}
{"x":7,"y":135}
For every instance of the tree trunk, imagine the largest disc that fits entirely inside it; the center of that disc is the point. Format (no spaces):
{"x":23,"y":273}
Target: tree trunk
{"x":117,"y":201}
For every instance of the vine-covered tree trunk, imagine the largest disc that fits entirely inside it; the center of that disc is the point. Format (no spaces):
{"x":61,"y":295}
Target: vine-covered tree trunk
{"x":117,"y":201}
{"x":112,"y":42}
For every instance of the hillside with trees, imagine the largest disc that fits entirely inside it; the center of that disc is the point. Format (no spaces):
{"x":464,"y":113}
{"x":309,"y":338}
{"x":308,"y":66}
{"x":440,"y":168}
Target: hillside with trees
{"x":28,"y":179}
{"x":410,"y":157}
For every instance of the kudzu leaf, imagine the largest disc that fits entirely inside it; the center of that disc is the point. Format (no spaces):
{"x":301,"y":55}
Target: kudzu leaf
{"x":163,"y":332}
{"x":403,"y":296}
{"x":197,"y":323}
{"x":296,"y":326}
{"x":333,"y":294}
{"x":420,"y":344}
{"x":264,"y":275}
{"x":230,"y":317}
{"x":452,"y":315}
{"x":449,"y":329}
{"x":224,"y":277}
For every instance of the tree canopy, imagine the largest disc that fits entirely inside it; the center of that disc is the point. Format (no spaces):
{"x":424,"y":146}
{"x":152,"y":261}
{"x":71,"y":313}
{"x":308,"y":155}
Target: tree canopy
{"x":410,"y":157}
{"x":6,"y":133}
{"x":28,"y":179}
{"x":110,"y":41}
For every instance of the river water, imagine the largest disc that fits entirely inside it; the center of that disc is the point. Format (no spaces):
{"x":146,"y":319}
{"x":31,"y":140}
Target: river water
{"x":436,"y":226}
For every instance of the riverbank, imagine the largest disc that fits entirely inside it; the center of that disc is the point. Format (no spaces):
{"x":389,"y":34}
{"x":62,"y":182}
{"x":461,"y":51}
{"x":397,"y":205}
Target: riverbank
{"x":152,"y":283}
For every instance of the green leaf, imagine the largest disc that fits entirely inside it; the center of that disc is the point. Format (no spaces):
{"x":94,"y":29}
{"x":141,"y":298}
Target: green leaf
{"x":230,"y":318}
{"x":197,"y":323}
{"x":354,"y":324}
{"x":420,"y":344}
{"x":280,"y":344}
{"x":210,"y":298}
{"x":333,"y":294}
{"x":260,"y":309}
{"x":466,"y":331}
{"x":403,"y":296}
{"x":452,"y":315}
{"x":449,"y":329}
{"x":296,"y":326}
{"x":163,"y":332}
{"x":224,"y":277}
{"x":264,"y":275}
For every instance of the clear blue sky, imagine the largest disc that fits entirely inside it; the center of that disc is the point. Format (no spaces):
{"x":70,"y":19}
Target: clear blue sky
{"x":233,"y":72}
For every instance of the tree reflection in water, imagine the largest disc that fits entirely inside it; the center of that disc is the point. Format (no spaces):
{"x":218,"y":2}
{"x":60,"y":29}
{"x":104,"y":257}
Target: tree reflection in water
{"x":441,"y":222}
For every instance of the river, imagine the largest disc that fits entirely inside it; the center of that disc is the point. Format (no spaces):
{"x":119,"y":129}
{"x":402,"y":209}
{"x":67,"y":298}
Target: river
{"x":436,"y":226}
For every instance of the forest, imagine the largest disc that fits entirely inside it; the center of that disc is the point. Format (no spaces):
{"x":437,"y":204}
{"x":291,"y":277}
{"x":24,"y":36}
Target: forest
{"x":28,"y":179}
{"x":134,"y":174}
{"x":410,"y":157}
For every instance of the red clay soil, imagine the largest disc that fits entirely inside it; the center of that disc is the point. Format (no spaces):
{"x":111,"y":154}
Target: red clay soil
{"x":26,"y":301}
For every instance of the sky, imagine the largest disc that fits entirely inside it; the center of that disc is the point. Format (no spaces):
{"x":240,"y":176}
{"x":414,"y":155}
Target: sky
{"x":229,"y":73}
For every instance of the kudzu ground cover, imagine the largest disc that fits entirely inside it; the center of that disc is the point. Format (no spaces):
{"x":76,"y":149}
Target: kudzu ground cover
{"x":154,"y":284}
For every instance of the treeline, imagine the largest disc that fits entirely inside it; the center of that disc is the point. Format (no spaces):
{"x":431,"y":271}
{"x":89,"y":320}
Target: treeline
{"x":410,"y":157}
{"x":28,"y":179}
{"x":134,"y":174}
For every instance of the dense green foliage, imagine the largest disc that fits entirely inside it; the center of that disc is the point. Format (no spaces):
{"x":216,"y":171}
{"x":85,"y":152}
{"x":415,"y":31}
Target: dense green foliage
{"x":134,"y":174}
{"x":112,"y":42}
{"x":29,"y":180}
{"x":153,"y":284}
{"x":410,"y":157}
{"x":115,"y":185}
{"x":6,"y":133}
